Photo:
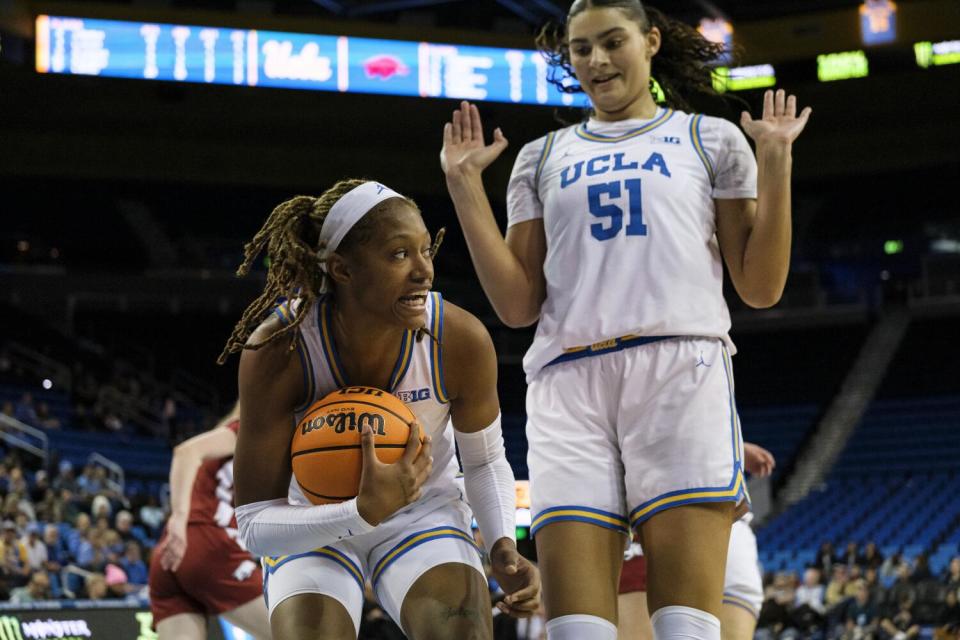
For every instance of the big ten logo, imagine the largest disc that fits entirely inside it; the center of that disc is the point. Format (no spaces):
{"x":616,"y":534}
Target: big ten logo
{"x":145,"y":620}
{"x":346,"y":420}
{"x":366,"y":391}
{"x":413,"y":395}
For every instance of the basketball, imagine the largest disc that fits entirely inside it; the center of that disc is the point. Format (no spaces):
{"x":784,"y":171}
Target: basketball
{"x":326,"y":453}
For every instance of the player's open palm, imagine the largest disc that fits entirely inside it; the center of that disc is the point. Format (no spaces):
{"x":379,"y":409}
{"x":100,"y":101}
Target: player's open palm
{"x":386,"y":488}
{"x":464,"y":150}
{"x":779,"y":122}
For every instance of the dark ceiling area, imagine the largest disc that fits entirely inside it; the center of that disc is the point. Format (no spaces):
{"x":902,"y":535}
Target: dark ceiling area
{"x":517,"y":16}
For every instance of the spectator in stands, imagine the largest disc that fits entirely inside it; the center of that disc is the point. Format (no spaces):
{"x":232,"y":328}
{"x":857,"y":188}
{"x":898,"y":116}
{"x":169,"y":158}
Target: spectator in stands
{"x":774,"y":616}
{"x":36,"y":549}
{"x":837,"y":587}
{"x":100,"y":509}
{"x":14,"y":562}
{"x":96,"y":587}
{"x":81,"y":525}
{"x":826,"y":558}
{"x":152,"y":515}
{"x":851,"y":557}
{"x":811,"y":592}
{"x":57,"y":554}
{"x":871,"y":578}
{"x":25,"y":411}
{"x":948,"y":619}
{"x":903,"y":624}
{"x":134,"y":566}
{"x":88,"y":482}
{"x":38,"y":588}
{"x":860,"y":620}
{"x":117,"y":584}
{"x":65,"y":478}
{"x":45,"y":419}
{"x":123,"y":524}
{"x":872,"y":558}
{"x":891,"y":568}
{"x":113,"y":546}
{"x":41,"y":484}
{"x":902,"y":588}
{"x":66,"y":508}
{"x":921,"y":569}
{"x":952,"y":575}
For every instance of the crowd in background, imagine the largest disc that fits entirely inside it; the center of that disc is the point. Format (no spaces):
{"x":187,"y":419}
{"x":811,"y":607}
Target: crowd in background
{"x":861,"y":595}
{"x":72,"y":535}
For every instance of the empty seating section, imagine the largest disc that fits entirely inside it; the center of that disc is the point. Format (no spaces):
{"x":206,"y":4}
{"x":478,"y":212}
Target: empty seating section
{"x":779,"y":429}
{"x":897,"y":483}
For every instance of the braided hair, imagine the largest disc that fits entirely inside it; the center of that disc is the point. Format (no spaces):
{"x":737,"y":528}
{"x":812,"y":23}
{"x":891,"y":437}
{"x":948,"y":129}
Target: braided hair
{"x":683,"y":67}
{"x":291,"y":236}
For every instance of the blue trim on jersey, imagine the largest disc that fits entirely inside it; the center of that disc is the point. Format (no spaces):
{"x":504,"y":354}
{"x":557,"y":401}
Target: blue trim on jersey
{"x":697,"y":141}
{"x":337,"y":370}
{"x":576,"y":513}
{"x":658,"y":120}
{"x":436,"y":350}
{"x":743,"y":603}
{"x":544,"y":153}
{"x":324,"y":317}
{"x":271,"y":564}
{"x":415,"y":540}
{"x":608,"y":346}
{"x":309,"y":380}
{"x":403,"y":361}
{"x":285,"y":313}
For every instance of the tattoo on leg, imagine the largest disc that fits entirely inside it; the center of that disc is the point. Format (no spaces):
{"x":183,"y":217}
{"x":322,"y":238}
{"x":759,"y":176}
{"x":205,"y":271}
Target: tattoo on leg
{"x":459,"y":612}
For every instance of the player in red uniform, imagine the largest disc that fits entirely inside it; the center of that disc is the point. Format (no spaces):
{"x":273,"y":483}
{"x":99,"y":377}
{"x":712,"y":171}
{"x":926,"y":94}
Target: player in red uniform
{"x":199,"y":567}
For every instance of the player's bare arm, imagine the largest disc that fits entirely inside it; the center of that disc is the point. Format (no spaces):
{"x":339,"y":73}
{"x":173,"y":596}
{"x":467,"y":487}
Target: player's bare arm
{"x":755,"y":235}
{"x":511,"y":270}
{"x":271,"y":387}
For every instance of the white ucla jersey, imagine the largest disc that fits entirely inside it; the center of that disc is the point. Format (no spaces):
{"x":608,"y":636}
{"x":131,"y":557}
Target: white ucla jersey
{"x":417,"y":380}
{"x":628,"y":213}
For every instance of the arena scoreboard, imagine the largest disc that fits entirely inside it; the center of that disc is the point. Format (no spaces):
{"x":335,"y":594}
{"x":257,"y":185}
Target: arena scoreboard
{"x":256,"y":58}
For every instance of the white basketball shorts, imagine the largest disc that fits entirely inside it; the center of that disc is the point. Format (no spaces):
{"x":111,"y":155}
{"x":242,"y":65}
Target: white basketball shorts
{"x":618,"y":437}
{"x":391,"y":557}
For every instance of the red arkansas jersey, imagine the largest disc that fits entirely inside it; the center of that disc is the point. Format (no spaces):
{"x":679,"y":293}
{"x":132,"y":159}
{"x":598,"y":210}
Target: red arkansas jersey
{"x":211,"y":501}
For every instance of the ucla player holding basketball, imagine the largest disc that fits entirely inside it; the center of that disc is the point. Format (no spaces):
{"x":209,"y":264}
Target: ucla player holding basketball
{"x":356,"y":266}
{"x":616,"y":230}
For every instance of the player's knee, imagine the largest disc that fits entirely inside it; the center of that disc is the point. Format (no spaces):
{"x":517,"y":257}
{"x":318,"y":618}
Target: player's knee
{"x":581,"y":627}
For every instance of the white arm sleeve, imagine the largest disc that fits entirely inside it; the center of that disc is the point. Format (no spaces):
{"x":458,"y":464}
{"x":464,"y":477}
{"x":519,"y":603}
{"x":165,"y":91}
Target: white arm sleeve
{"x":488,"y":478}
{"x":523,"y":201}
{"x":277,"y":528}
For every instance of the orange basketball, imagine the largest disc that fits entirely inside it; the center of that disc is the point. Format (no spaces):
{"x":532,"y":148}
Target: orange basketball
{"x":326,"y":452}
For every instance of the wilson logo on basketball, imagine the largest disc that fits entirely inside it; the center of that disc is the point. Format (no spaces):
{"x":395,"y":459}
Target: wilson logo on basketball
{"x":345,"y":421}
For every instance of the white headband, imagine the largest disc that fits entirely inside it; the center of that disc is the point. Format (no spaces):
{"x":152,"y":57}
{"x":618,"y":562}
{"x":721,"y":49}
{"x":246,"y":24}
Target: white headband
{"x":348,"y":210}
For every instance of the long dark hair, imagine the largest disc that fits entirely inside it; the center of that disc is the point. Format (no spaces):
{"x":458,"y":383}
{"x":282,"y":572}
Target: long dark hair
{"x":683,"y":67}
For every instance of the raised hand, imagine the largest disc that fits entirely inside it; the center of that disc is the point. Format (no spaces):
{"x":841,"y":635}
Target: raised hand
{"x":518,"y":578}
{"x":464,"y":151}
{"x":174,"y":545}
{"x":757,"y":460}
{"x":386,"y":488}
{"x":779,"y":122}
